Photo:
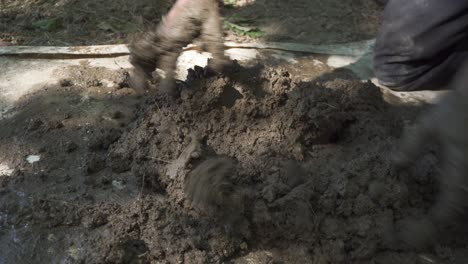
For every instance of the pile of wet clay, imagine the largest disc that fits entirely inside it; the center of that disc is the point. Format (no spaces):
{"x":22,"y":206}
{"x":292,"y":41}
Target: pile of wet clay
{"x":257,"y":165}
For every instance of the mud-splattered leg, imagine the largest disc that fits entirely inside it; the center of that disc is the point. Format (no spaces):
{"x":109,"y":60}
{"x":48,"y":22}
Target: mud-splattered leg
{"x":212,"y":32}
{"x":144,"y":53}
{"x":168,"y":64}
{"x":143,"y":56}
{"x":179,"y":30}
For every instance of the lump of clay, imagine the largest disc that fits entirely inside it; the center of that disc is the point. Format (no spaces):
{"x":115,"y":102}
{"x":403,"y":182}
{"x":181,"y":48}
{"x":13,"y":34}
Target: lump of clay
{"x":211,"y":188}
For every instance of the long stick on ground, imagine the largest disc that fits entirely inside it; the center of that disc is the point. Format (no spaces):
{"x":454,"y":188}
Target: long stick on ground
{"x":345,"y":49}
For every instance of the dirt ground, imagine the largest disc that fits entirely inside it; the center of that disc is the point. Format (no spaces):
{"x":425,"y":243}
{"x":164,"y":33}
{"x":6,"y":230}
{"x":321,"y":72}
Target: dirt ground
{"x":308,"y":160}
{"x":83,"y":22}
{"x":294,"y":168}
{"x":306,"y":21}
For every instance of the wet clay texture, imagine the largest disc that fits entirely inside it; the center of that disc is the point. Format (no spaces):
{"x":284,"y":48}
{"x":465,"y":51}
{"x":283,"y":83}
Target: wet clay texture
{"x":250,"y":166}
{"x":299,"y":168}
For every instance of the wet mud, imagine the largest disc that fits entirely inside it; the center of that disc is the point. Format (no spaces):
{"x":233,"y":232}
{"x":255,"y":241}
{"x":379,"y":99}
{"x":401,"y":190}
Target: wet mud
{"x":295,"y":170}
{"x":250,"y":166}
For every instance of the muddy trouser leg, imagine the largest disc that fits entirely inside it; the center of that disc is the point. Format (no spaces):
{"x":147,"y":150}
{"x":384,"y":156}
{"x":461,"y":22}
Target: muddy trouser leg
{"x":421,"y":43}
{"x":212,"y":34}
{"x":143,"y":56}
{"x":168,"y":62}
{"x":143,"y":53}
{"x":174,"y":36}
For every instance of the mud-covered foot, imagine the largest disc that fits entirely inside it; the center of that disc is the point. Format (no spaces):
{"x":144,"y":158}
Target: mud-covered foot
{"x":198,"y":73}
{"x":225,"y":66}
{"x":138,"y":80}
{"x":168,"y":88}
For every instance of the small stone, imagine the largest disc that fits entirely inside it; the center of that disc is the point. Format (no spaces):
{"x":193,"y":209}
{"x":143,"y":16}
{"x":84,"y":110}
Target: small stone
{"x":31,"y":159}
{"x":195,"y":155}
{"x":119,"y":185}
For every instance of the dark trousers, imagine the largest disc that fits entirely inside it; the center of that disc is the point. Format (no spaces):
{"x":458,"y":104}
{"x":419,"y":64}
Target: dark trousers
{"x":421,"y":44}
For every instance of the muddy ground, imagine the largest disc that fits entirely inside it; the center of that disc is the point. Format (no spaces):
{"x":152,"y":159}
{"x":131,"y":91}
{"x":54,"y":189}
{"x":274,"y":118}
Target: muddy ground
{"x":306,"y":162}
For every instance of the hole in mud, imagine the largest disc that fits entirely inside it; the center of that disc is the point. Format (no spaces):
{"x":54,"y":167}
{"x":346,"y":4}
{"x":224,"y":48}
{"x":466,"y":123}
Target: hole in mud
{"x":229,"y":96}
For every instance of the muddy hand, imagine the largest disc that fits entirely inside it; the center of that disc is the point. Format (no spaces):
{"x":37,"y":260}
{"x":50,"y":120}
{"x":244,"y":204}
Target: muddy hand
{"x":447,"y":125}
